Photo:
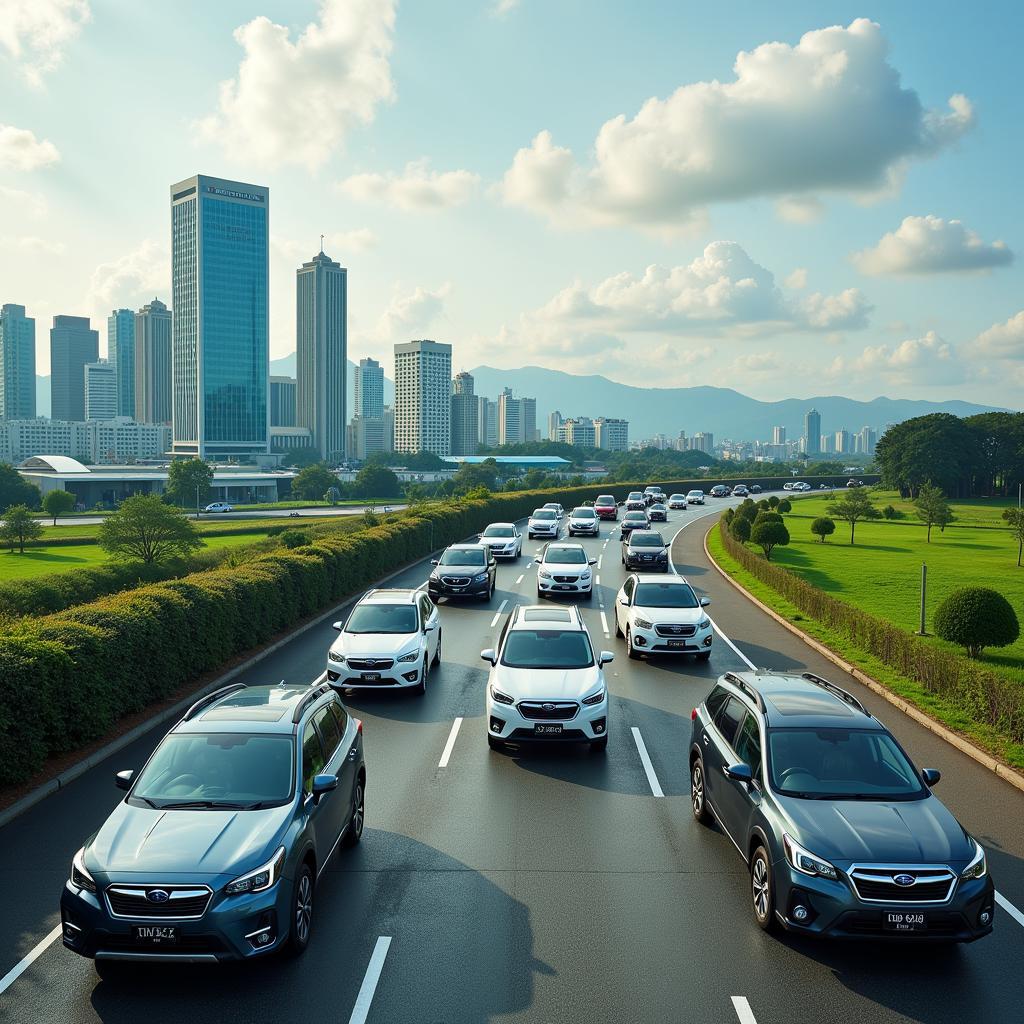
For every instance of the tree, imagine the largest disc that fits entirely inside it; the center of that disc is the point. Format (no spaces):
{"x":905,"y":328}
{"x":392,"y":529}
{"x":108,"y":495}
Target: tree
{"x":976,"y":618}
{"x":15,"y":489}
{"x":56,"y":503}
{"x":854,"y":506}
{"x":470,"y":476}
{"x":376,"y":481}
{"x":740,"y":529}
{"x":188,"y":483}
{"x":773,"y":501}
{"x":932,"y":508}
{"x":313,"y":482}
{"x":769,"y":535}
{"x":939,"y":448}
{"x":785,"y":505}
{"x":146,"y":528}
{"x":19,"y":526}
{"x":823,"y":527}
{"x":1015,"y":517}
{"x":767,"y":517}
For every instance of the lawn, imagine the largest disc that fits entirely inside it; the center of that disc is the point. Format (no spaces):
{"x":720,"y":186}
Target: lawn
{"x":969,"y":512}
{"x":206,"y":527}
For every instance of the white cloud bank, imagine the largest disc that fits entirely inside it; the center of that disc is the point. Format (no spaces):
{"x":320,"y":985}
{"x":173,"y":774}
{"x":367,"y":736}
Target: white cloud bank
{"x":916,"y":361}
{"x":20,"y":150}
{"x":408,"y":314}
{"x":35,"y":32}
{"x":1002,"y":341}
{"x":417,"y":188}
{"x":931,"y":245}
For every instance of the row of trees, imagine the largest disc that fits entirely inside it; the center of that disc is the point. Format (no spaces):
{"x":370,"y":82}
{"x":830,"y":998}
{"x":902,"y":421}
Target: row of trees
{"x":760,"y":523}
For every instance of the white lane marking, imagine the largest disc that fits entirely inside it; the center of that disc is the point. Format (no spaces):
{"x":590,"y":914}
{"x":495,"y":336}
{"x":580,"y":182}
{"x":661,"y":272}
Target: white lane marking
{"x":497,"y":614}
{"x":366,"y":991}
{"x":739,"y":653}
{"x":597,"y":580}
{"x":645,"y":758}
{"x":450,"y":745}
{"x":604,"y":623}
{"x":743,"y":1010}
{"x":520,"y":580}
{"x":1000,"y":899}
{"x":28,"y":959}
{"x":600,"y":559}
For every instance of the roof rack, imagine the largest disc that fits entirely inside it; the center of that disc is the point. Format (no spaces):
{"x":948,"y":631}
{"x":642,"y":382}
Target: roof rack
{"x":746,"y":688}
{"x":838,"y":691}
{"x":206,"y":701}
{"x":310,"y":698}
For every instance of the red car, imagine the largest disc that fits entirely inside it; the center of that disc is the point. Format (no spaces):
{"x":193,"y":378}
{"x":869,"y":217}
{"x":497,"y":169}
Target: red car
{"x":606,"y":507}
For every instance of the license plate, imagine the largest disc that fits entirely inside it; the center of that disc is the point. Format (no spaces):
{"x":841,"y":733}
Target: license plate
{"x":677,"y":644}
{"x":547,"y":730}
{"x":370,"y":677}
{"x":895,"y":921}
{"x":564,"y":586}
{"x":155,"y":934}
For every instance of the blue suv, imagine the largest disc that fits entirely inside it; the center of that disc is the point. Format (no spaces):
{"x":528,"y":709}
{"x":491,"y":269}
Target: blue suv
{"x":215,"y":851}
{"x":841,"y":833}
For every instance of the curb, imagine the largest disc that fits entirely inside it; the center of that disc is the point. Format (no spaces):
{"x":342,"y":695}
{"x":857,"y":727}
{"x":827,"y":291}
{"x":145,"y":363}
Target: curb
{"x":983,"y":758}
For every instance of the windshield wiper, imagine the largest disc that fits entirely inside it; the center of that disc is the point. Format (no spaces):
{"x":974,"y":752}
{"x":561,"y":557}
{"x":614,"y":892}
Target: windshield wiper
{"x":146,"y":800}
{"x":207,"y":804}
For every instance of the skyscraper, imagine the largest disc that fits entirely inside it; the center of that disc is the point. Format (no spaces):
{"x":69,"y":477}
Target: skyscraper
{"x":579,"y":430}
{"x":492,"y":424}
{"x":100,"y":390}
{"x":121,"y":355}
{"x":369,"y":389}
{"x":612,"y":434}
{"x":528,"y":414}
{"x":219,"y":268}
{"x":843,"y":442}
{"x":321,"y":353}
{"x":778,"y":435}
{"x":465,"y":416}
{"x":17,"y":363}
{"x":282,"y":401}
{"x":554,"y":422}
{"x":812,"y":432}
{"x":153,"y":374}
{"x":702,"y":441}
{"x":423,"y":389}
{"x":73,"y":343}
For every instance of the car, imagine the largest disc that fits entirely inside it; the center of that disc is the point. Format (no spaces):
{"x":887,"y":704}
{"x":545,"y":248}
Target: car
{"x":215,"y":850}
{"x":633,"y":521}
{"x":755,"y":488}
{"x":556,"y":508}
{"x":390,"y":640}
{"x":677,"y":502}
{"x":464,"y":570}
{"x":635,"y":501}
{"x":545,"y":682}
{"x":504,"y":540}
{"x":718,"y":491}
{"x":657,"y":513}
{"x":841,"y":833}
{"x":653,"y":494}
{"x":740,"y":491}
{"x":543,"y":523}
{"x":852,"y":482}
{"x":645,"y":549}
{"x":295,"y":515}
{"x":584,"y":520}
{"x":822,"y":487}
{"x":606,"y":507}
{"x":564,"y":569}
{"x":695,"y":497}
{"x":788,"y":485}
{"x":662,"y":615}
{"x":219,"y":506}
{"x":801,"y":486}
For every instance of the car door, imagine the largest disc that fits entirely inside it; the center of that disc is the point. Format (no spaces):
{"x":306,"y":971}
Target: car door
{"x":319,"y":812}
{"x":337,"y":805}
{"x":737,"y":801}
{"x":430,"y":623}
{"x":718,"y":749}
{"x":623,"y":600}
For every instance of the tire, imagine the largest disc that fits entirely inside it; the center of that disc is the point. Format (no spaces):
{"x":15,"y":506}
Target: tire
{"x":698,"y":793}
{"x":633,"y":655}
{"x":762,"y":890}
{"x":703,"y":655}
{"x":301,"y":923}
{"x":354,"y":832}
{"x":599,"y":746}
{"x":437,"y":653}
{"x":495,"y":744}
{"x":421,"y":689}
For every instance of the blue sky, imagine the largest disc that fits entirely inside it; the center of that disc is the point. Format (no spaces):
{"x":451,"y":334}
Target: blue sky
{"x":592,"y":186}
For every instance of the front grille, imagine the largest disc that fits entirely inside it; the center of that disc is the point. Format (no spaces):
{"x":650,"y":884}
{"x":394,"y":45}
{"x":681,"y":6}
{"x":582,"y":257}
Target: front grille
{"x":455,"y":581}
{"x":878,"y":885}
{"x":566,"y":579}
{"x":548,"y":710}
{"x":674,"y":630}
{"x":135,"y":902}
{"x":370,"y":664}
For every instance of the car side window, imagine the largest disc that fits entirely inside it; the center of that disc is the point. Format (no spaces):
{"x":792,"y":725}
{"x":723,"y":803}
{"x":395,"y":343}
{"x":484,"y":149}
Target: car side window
{"x":312,"y":757}
{"x":715,"y":699}
{"x":426,"y":607}
{"x":340,"y":715}
{"x":329,"y":734}
{"x":628,"y":588}
{"x":728,"y":720}
{"x":748,"y":745}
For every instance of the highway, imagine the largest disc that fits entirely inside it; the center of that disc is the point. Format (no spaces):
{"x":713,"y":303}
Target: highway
{"x":551,"y":885}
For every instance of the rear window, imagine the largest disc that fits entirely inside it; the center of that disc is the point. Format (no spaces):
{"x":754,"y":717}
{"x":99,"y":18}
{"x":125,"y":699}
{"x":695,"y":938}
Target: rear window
{"x":605,"y":500}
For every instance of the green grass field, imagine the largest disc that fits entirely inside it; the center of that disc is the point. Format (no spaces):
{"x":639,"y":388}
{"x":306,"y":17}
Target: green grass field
{"x":971,"y":512}
{"x":206,"y":527}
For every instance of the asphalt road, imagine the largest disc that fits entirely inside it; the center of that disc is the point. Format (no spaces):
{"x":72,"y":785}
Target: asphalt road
{"x":543,"y":886}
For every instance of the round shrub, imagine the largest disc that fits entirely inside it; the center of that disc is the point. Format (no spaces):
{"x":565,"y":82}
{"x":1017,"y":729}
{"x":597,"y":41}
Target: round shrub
{"x":785,"y":505}
{"x":773,"y":501}
{"x":295,"y":538}
{"x":740,"y":529}
{"x":767,"y":517}
{"x":769,"y":535}
{"x":975,"y":618}
{"x":823,"y":527}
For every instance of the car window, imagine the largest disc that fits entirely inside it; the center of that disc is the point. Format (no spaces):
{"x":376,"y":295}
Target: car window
{"x":728,"y":719}
{"x":565,"y":556}
{"x":340,"y":715}
{"x":715,"y":699}
{"x":646,"y":540}
{"x":547,"y":648}
{"x":499,"y":531}
{"x":382,"y":618}
{"x":748,"y":745}
{"x":312,"y":757}
{"x":629,"y":587}
{"x":463,"y":556}
{"x":426,"y":608}
{"x":583,"y":513}
{"x":544,"y":513}
{"x":666,"y":595}
{"x":329,"y":734}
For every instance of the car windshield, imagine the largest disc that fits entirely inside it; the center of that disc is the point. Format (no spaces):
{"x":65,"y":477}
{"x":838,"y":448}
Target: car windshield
{"x":605,"y":500}
{"x":665,"y":595}
{"x":547,"y":648}
{"x":583,"y":513}
{"x":208,"y":771}
{"x":696,"y":493}
{"x":635,"y":495}
{"x":636,"y":517}
{"x":553,"y":506}
{"x":840,"y":764}
{"x":544,"y":513}
{"x":566,"y":556}
{"x":675,"y":497}
{"x":646,"y":540}
{"x":499,"y":531}
{"x":463,"y":556}
{"x":382,"y":618}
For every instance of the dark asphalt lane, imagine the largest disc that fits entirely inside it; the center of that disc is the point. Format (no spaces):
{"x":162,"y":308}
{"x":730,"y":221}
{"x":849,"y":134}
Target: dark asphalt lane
{"x":535,"y":885}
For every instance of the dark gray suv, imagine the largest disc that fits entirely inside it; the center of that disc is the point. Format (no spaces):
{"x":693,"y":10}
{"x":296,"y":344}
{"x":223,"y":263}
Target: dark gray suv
{"x":841,"y":832}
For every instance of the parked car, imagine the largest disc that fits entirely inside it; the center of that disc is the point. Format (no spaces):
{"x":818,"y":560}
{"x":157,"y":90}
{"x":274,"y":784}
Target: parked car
{"x":545,"y":683}
{"x":662,"y":615}
{"x":695,"y":497}
{"x":583,"y":520}
{"x":677,"y":502}
{"x":504,"y":540}
{"x":464,"y":570}
{"x":719,"y":491}
{"x":657,"y":513}
{"x":645,"y":549}
{"x":635,"y":502}
{"x":219,"y":506}
{"x":606,"y":507}
{"x":565,"y":569}
{"x":214,"y":851}
{"x":389,"y":641}
{"x":633,"y":521}
{"x":788,"y":485}
{"x":556,"y":508}
{"x":840,"y":831}
{"x":801,"y":486}
{"x":854,"y":483}
{"x":543,"y":523}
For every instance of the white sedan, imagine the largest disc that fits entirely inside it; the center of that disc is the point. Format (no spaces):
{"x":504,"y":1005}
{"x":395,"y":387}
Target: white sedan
{"x":504,"y":540}
{"x":219,"y":506}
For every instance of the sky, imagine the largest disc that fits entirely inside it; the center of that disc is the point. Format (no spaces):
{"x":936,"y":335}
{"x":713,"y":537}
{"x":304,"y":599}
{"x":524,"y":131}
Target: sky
{"x":786,"y":199}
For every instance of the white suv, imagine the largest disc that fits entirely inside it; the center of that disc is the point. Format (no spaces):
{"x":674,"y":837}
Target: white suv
{"x":662,"y":615}
{"x":504,"y":540}
{"x":543,"y":523}
{"x":584,"y":520}
{"x":695,"y":497}
{"x":390,"y":640}
{"x":565,"y":569}
{"x":545,"y":681}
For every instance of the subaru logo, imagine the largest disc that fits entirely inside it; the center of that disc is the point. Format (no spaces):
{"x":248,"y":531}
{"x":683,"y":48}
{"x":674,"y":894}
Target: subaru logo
{"x":371,"y":661}
{"x":158,"y":895}
{"x":548,"y":707}
{"x":904,"y":880}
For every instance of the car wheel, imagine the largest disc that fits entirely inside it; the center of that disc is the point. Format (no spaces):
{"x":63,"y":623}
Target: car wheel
{"x":704,"y":656}
{"x":698,"y":797}
{"x":633,"y":654}
{"x":599,"y":746}
{"x":354,"y":832}
{"x":421,"y":689}
{"x":437,"y":653}
{"x":761,"y":889}
{"x":302,"y":912}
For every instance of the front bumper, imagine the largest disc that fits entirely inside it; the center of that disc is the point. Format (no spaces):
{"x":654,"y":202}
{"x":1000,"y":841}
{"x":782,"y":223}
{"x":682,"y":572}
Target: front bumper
{"x":645,"y":564}
{"x":395,"y":676}
{"x":505,"y":550}
{"x":542,"y":531}
{"x":554,"y":587}
{"x":647,"y":641}
{"x":505,"y":722}
{"x":593,"y":528}
{"x":438,"y":589}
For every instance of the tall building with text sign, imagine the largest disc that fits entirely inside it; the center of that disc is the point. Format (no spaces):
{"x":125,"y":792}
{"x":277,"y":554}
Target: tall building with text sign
{"x":219,"y":272}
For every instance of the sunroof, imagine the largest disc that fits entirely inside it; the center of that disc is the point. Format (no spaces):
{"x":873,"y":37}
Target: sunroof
{"x":245,"y":714}
{"x":807,"y":702}
{"x":546,"y":615}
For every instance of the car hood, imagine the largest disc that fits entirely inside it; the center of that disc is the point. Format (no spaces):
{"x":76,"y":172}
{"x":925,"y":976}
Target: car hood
{"x":671,"y":616}
{"x":881,"y":832}
{"x":498,"y":542}
{"x":543,"y":522}
{"x":546,"y":684}
{"x":141,"y":839}
{"x":584,"y":520}
{"x":564,"y":569}
{"x":375,"y":644}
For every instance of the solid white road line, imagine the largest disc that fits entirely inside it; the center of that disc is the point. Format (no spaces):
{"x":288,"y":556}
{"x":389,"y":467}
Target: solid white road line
{"x":743,"y":1010}
{"x":366,"y":991}
{"x":449,"y":746}
{"x":1000,"y":899}
{"x":520,"y":580}
{"x":28,"y":959}
{"x":497,"y":614}
{"x":645,"y":758}
{"x":600,"y":559}
{"x":604,"y":623}
{"x":739,"y":653}
{"x":597,"y":581}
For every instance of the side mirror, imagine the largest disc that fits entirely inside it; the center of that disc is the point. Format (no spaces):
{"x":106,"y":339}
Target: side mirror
{"x":489,"y":655}
{"x":435,"y":561}
{"x":930,"y":776}
{"x":705,"y":601}
{"x":624,"y":601}
{"x":337,"y":626}
{"x":740,"y":773}
{"x":123,"y":780}
{"x":323,"y":784}
{"x":429,"y":627}
{"x":591,"y":561}
{"x":606,"y":657}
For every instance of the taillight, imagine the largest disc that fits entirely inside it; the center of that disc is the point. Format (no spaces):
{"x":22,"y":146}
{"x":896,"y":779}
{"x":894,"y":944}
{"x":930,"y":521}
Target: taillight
{"x":693,"y":716}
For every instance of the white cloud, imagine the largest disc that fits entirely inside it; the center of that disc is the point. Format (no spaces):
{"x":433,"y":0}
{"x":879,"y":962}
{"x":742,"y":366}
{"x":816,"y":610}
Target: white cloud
{"x":31,"y":203}
{"x":20,"y":150}
{"x":756,"y":362}
{"x":930,"y":245}
{"x":35,"y":32}
{"x":826,"y":115}
{"x":417,"y":188}
{"x":1002,"y":341}
{"x":916,"y":361}
{"x":797,"y":279}
{"x":502,"y":8}
{"x":131,"y":280}
{"x":294,"y":102}
{"x":799,"y":209}
{"x":408,"y":314}
{"x":33,"y":245}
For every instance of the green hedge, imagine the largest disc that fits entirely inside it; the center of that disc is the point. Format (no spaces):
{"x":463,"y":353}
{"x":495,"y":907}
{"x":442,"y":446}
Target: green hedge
{"x":984,"y":696}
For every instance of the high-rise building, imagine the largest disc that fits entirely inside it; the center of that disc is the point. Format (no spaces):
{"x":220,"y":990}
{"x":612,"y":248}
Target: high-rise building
{"x":702,"y":441}
{"x":528,"y":413}
{"x":827,"y":444}
{"x":517,"y":419}
{"x":865,"y":440}
{"x":369,"y":389}
{"x":17,"y":363}
{"x":100,"y":390}
{"x":282,"y":401}
{"x":482,"y":419}
{"x":219,"y":272}
{"x":154,"y":392}
{"x":73,"y":343}
{"x":492,"y":424}
{"x":114,"y":442}
{"x":321,"y":352}
{"x":579,"y":430}
{"x":369,"y":434}
{"x":812,"y":432}
{"x":843,"y":443}
{"x":778,"y":435}
{"x":121,"y":355}
{"x":554,"y":423}
{"x":465,"y":416}
{"x":423,"y":391}
{"x":611,"y":435}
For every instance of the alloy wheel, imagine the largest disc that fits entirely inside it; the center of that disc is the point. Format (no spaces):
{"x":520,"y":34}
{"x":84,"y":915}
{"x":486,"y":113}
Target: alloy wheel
{"x":304,"y":907}
{"x":760,"y":887}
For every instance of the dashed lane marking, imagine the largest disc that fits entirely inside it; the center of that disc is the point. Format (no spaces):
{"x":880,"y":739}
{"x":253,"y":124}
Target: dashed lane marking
{"x":28,"y":960}
{"x":520,"y":580}
{"x":1000,"y":899}
{"x":369,"y":987}
{"x":645,"y":758}
{"x":450,"y":745}
{"x":604,"y":623}
{"x":743,"y":1010}
{"x":497,"y":614}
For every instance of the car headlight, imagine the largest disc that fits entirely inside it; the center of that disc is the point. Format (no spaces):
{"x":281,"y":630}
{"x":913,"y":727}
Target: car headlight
{"x":704,"y":623}
{"x":594,"y":698}
{"x":805,"y":862}
{"x":336,"y":657}
{"x":80,"y":876}
{"x":262,"y":878}
{"x":480,"y":578}
{"x":501,"y":698}
{"x":643,"y":624}
{"x":978,"y":866}
{"x":411,"y":656}
{"x":544,"y":574}
{"x":585,"y":576}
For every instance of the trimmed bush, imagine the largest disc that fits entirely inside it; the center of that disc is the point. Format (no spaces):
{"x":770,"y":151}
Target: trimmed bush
{"x":823,"y":527}
{"x":768,"y":535}
{"x":740,"y":528}
{"x":975,"y":618}
{"x":295,"y":538}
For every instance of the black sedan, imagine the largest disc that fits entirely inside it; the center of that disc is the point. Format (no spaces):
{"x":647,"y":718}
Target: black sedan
{"x":645,"y":550}
{"x":464,"y":570}
{"x":657,"y":513}
{"x":633,"y":521}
